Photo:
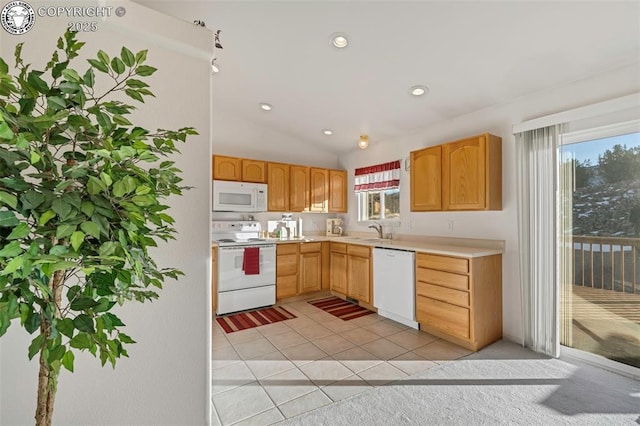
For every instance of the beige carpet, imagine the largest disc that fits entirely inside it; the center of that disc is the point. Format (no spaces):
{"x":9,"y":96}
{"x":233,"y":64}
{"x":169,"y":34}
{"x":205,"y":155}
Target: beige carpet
{"x":502,"y":384}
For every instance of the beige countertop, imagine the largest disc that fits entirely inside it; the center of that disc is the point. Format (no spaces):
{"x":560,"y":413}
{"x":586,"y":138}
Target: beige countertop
{"x":434,"y":245}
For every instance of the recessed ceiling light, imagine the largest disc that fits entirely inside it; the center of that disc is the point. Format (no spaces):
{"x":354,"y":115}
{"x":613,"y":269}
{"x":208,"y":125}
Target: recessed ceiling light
{"x":339,"y":40}
{"x":265,"y":106}
{"x":418,"y":90}
{"x":327,"y":132}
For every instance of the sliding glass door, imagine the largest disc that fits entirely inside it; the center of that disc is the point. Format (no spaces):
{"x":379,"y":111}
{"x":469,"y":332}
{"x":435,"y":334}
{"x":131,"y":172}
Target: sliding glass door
{"x":599,"y":253}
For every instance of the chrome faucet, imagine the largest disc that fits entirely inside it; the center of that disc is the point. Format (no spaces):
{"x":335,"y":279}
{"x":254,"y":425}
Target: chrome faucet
{"x":378,"y":228}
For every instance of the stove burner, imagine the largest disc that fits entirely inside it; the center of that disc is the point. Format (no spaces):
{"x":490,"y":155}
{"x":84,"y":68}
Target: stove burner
{"x":226,"y":240}
{"x":256,"y":239}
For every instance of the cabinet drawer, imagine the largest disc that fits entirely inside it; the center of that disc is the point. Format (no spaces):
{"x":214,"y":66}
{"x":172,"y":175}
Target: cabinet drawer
{"x":338,"y":247}
{"x":286,"y":248}
{"x":444,"y":294}
{"x":447,"y":279}
{"x":356,"y":250}
{"x":443,"y":263}
{"x":310,"y":247}
{"x":448,"y":318}
{"x":286,"y":286}
{"x":286,"y":264}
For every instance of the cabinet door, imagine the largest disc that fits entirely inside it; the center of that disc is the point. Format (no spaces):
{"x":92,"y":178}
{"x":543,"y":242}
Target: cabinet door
{"x":464,"y":174}
{"x":426,"y":179}
{"x":226,"y":168}
{"x":254,"y":171}
{"x":310,"y":272}
{"x":214,"y":279}
{"x":319,"y":190}
{"x":278,"y":187}
{"x":338,"y":191}
{"x":299,"y":189}
{"x":359,"y":278}
{"x":338,"y":272}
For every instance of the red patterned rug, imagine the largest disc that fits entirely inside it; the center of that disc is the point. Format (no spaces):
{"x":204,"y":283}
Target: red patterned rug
{"x":340,"y":308}
{"x":244,"y":320}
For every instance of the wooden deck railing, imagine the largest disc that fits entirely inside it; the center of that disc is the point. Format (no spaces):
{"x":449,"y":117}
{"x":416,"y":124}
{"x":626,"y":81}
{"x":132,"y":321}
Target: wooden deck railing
{"x":607,"y":263}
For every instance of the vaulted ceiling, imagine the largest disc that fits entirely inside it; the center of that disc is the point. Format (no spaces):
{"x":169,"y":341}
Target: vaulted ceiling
{"x":470,"y":55}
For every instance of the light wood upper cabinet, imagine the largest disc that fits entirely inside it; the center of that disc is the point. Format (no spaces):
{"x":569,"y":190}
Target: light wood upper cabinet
{"x":472,"y":174}
{"x":319,"y":181}
{"x":461,"y":175}
{"x":359,"y":272}
{"x":226,"y":168}
{"x":426,"y":179}
{"x":299,"y":188}
{"x":254,"y":171}
{"x":278,"y":187}
{"x":337,"y":191}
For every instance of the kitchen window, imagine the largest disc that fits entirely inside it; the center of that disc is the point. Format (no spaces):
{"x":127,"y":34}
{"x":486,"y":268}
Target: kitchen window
{"x":378,"y":191}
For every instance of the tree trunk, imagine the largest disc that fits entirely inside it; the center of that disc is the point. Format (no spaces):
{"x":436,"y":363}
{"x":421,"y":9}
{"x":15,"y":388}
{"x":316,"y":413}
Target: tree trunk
{"x":48,"y":377}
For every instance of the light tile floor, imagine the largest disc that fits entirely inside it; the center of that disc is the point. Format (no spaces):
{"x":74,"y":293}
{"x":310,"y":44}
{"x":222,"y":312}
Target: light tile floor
{"x":266,"y":374}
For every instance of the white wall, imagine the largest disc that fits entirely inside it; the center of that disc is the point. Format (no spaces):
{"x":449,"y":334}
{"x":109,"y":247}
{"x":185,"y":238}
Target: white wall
{"x":499,"y":225}
{"x":237,"y":137}
{"x":166,"y":379}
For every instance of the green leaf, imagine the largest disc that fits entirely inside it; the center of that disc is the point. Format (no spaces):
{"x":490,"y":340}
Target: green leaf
{"x":4,"y":68}
{"x":136,"y":84}
{"x":103,"y":120}
{"x":64,"y":230}
{"x":34,"y":157}
{"x":104,"y":177}
{"x":77,"y":238}
{"x":5,"y":131}
{"x":141,"y":56}
{"x":87,"y":208}
{"x":36,"y":345}
{"x":20,"y":231}
{"x":65,"y":326}
{"x":31,"y":199}
{"x":145,"y":70}
{"x":71,"y":75}
{"x":62,"y":266}
{"x":91,"y":228}
{"x":39,"y":84}
{"x":117,"y":66}
{"x":127,"y":57}
{"x":104,"y":58}
{"x":56,"y":103}
{"x":133,"y":94}
{"x":81,"y":341}
{"x":95,"y":185}
{"x":125,"y":338}
{"x":46,"y":217}
{"x":8,"y":199}
{"x":11,"y":250}
{"x":89,"y":78}
{"x":8,"y":219}
{"x":32,"y":322}
{"x":56,"y":353}
{"x":83,"y":303}
{"x":119,"y":119}
{"x":98,"y":65}
{"x":61,"y":208}
{"x":84,"y":322}
{"x":13,"y":265}
{"x":108,"y":248}
{"x":67,"y":360}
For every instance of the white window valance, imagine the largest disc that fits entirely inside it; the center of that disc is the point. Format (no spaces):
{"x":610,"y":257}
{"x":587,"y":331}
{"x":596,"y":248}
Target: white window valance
{"x":377,"y":178}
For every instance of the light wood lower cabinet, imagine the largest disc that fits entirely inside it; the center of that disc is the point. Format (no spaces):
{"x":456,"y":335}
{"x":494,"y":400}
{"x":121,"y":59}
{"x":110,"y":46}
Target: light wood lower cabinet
{"x":310,"y":278}
{"x":351,"y":271}
{"x":214,"y":279}
{"x":460,"y":299}
{"x":286,"y":270}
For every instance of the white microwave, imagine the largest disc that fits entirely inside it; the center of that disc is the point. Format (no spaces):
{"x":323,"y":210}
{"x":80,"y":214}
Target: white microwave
{"x":239,"y":196}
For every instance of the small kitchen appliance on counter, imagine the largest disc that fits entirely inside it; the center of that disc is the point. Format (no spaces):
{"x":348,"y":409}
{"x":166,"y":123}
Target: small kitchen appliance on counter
{"x":246,"y":266}
{"x":334,"y":227}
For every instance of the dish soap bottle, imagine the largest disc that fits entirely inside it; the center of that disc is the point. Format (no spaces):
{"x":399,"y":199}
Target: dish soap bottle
{"x":299,"y":227}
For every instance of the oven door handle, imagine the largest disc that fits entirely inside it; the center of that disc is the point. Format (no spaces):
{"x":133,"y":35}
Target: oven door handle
{"x":244,"y":247}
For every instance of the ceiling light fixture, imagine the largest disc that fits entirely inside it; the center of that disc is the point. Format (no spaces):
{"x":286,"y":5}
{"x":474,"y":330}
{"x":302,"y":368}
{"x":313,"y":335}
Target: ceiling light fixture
{"x":339,"y":40}
{"x":265,"y":106}
{"x":363,"y":142}
{"x":418,"y":90}
{"x":327,"y":132}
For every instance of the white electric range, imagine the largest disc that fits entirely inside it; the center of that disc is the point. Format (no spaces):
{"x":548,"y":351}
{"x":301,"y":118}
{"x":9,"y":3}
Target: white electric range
{"x":237,"y":289}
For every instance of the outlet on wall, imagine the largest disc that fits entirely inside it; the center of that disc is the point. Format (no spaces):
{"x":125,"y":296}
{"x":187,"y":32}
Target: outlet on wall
{"x":450,"y":226}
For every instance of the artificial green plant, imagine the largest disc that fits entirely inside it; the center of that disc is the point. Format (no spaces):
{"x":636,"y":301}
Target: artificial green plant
{"x":82,"y":199}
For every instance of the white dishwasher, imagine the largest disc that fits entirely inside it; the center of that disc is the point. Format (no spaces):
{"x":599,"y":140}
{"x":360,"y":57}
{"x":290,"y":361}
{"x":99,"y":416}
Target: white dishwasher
{"x":394,"y":285}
